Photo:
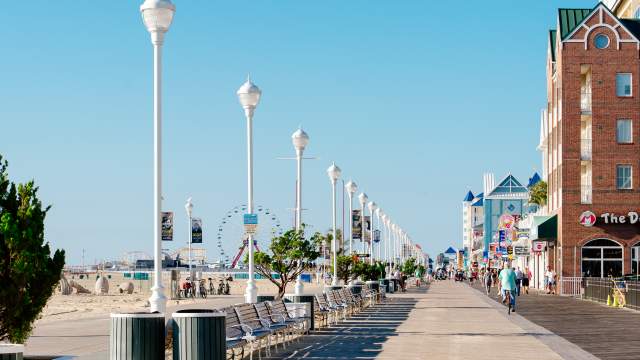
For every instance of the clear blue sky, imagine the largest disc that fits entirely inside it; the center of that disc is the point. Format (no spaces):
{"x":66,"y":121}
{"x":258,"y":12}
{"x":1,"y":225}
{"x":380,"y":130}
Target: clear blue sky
{"x":414,"y":100}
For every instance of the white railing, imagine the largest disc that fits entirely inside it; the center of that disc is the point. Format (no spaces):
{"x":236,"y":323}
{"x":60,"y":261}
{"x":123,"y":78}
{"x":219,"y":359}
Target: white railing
{"x":585,"y":101}
{"x":586,"y":194}
{"x":585,"y":149}
{"x":570,"y":286}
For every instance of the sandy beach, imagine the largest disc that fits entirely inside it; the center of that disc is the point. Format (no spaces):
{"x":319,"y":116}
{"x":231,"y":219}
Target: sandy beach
{"x":79,"y":306}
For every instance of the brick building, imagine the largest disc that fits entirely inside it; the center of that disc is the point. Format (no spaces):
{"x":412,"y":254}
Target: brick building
{"x":590,"y":143}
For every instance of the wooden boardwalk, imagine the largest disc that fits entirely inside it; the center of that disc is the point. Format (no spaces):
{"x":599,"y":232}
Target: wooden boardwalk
{"x":607,"y":333}
{"x":447,"y":321}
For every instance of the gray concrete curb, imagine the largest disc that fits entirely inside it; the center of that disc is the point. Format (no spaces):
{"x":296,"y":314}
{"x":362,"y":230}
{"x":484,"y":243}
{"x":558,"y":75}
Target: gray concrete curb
{"x":561,"y":346}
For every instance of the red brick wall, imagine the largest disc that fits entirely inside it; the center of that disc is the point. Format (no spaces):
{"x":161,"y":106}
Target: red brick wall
{"x":607,"y":108}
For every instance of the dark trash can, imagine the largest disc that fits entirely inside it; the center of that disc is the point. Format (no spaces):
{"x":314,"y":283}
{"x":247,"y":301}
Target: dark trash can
{"x":137,"y":336}
{"x":199,"y":335}
{"x":11,"y":351}
{"x":263,"y":298}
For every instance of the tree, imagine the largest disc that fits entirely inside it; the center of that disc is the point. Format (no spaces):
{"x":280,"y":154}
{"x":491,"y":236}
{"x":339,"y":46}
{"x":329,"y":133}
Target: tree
{"x":345,"y":268}
{"x":28,"y":273}
{"x":291,"y":254}
{"x":409,"y":266}
{"x":366,"y":271}
{"x":538,"y":193}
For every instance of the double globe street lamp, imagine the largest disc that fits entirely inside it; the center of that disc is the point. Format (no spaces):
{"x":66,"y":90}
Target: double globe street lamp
{"x":249,"y":97}
{"x":157,"y":16}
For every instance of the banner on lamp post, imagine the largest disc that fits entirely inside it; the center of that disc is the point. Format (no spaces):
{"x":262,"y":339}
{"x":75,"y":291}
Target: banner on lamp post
{"x":356,"y":225}
{"x":367,"y":228}
{"x":167,"y":226}
{"x":196,"y":231}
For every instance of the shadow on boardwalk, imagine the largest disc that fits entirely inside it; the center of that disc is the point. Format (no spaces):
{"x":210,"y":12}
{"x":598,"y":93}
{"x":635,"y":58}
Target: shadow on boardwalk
{"x":608,"y":333}
{"x":359,"y":337}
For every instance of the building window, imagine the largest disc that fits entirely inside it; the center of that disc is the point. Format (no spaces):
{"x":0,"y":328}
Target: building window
{"x":601,"y":41}
{"x":623,"y":177}
{"x":601,"y":258}
{"x":624,"y":132}
{"x":623,"y":84}
{"x":636,"y":14}
{"x":635,"y":259}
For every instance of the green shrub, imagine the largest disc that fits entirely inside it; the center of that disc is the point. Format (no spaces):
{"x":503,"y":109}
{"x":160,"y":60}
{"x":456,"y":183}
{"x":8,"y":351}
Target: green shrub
{"x":28,"y":274}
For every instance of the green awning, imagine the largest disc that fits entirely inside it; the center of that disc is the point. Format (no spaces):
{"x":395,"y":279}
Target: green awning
{"x":548,"y":230}
{"x":544,"y":228}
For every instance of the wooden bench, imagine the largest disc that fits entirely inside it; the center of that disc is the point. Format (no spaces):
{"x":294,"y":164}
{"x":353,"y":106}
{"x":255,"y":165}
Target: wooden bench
{"x":279,"y":308}
{"x":235,"y":334}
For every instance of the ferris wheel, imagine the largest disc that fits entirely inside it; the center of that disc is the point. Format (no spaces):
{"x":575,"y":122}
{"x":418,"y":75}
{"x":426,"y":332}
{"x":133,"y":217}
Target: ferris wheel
{"x":231,"y":239}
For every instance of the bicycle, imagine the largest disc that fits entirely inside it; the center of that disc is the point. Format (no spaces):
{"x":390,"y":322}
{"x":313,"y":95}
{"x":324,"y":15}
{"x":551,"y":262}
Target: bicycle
{"x":508,"y":298}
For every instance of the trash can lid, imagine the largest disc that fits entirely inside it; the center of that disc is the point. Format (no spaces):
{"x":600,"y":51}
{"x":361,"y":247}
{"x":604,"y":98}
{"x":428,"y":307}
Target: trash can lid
{"x":138,"y":315}
{"x":198,"y":313}
{"x":11,"y":348}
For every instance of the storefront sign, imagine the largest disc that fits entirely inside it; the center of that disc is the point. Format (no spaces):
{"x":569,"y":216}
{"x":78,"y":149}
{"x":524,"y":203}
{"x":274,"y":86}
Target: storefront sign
{"x":588,"y":218}
{"x":521,"y":250}
{"x":537,"y":246}
{"x":506,"y":222}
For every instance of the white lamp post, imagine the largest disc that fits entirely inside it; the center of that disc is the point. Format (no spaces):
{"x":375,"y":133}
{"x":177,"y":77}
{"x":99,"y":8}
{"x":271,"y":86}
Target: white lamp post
{"x":334,"y":174}
{"x":351,"y":188}
{"x":189,"y":207}
{"x":363,"y":201}
{"x":157,"y":16}
{"x":300,"y":141}
{"x":249,"y":96}
{"x":372,"y":209}
{"x":380,"y":242}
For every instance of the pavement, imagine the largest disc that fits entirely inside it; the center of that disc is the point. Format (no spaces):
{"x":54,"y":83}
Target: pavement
{"x":447,"y":320}
{"x":88,"y":338}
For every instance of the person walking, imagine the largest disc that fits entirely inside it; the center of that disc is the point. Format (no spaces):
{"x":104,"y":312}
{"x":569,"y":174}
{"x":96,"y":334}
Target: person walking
{"x":519,"y":277}
{"x":487,"y":281}
{"x":525,"y":280}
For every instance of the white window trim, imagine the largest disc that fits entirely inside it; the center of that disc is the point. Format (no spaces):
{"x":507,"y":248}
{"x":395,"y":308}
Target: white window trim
{"x":630,"y":84}
{"x":630,"y":130}
{"x":630,"y":177}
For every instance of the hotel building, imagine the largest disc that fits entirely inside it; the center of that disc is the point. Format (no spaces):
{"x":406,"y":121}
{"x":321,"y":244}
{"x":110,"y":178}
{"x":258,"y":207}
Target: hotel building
{"x":590,"y":142}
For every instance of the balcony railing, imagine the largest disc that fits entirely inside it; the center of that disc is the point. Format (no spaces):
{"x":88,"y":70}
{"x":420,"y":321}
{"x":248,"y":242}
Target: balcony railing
{"x":585,"y":102}
{"x":586,"y":194}
{"x":585,"y":149}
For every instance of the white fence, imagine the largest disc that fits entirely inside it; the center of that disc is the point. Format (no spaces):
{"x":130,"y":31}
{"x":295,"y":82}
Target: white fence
{"x":570,"y":286}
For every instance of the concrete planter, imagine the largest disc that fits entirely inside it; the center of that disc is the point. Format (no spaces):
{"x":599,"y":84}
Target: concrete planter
{"x":199,"y":335}
{"x":11,"y":351}
{"x":137,"y":336}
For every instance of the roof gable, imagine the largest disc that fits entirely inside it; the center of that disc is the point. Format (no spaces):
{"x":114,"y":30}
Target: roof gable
{"x":510,"y":185}
{"x":570,"y":19}
{"x":598,"y":17}
{"x":534,"y":180}
{"x":469,"y":196}
{"x":450,"y":250}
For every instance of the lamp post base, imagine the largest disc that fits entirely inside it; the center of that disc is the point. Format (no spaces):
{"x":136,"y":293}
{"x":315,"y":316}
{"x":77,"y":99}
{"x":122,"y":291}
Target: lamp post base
{"x":158,"y":300}
{"x":299,"y":288}
{"x":251,"y":293}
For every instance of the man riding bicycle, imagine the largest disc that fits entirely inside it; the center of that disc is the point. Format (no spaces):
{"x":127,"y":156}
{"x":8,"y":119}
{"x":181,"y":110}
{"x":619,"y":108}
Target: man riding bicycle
{"x":508,"y":284}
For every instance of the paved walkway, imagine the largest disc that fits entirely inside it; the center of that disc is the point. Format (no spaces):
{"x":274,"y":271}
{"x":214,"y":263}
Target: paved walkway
{"x":89,"y":338}
{"x":608,"y":333}
{"x":447,"y":321}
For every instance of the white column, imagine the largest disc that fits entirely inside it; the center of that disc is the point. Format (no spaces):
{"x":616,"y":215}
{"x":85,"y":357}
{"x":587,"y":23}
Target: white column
{"x":299,"y":287}
{"x":158,"y":300}
{"x":251,"y":293}
{"x":334,"y":245}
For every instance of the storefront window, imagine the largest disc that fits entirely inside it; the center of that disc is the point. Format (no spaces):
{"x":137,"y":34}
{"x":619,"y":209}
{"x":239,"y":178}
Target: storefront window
{"x":601,"y":258}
